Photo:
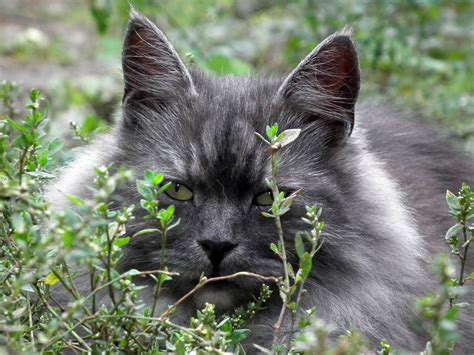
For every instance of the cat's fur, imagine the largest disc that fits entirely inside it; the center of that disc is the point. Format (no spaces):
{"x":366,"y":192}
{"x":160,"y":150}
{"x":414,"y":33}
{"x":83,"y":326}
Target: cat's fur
{"x":379,"y":176}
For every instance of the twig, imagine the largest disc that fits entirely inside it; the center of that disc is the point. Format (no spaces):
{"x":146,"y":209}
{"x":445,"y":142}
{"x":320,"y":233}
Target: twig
{"x":200,"y":285}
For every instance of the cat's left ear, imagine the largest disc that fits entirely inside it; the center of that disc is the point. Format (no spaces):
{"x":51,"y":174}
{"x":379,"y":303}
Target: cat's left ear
{"x":151,"y":66}
{"x":326,"y":83}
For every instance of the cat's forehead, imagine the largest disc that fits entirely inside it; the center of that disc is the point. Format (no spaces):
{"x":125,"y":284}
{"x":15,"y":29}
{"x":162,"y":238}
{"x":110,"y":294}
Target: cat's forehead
{"x":226,"y":114}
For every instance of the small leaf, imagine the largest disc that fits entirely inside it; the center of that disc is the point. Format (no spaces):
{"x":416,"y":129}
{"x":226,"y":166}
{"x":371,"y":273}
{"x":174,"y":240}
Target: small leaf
{"x":179,"y":349}
{"x":306,"y":264}
{"x":272,"y":131}
{"x":28,"y":288}
{"x":164,"y":278}
{"x":466,"y":243}
{"x":146,"y":231}
{"x":17,"y":126}
{"x":75,"y":200}
{"x":121,"y":242}
{"x":153,"y":178}
{"x":288,"y":136}
{"x":145,"y":190}
{"x":68,"y":239}
{"x":133,"y":272}
{"x":55,"y":146}
{"x":51,"y":280}
{"x":239,"y":336}
{"x":274,"y":248}
{"x":453,"y":231}
{"x":453,"y":202}
{"x":299,"y":246}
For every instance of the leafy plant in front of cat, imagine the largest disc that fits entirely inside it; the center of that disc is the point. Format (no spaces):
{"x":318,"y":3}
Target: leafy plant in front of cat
{"x":292,"y":286}
{"x":63,"y":290}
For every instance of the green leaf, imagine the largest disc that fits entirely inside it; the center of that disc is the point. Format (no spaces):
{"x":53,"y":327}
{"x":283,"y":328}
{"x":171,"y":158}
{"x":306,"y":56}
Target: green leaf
{"x":68,"y":239}
{"x":75,"y":200}
{"x":55,"y":146}
{"x":133,"y":272}
{"x":146,"y":231}
{"x":121,"y":242}
{"x":179,"y":347}
{"x":18,"y":223}
{"x":164,"y":278}
{"x":153,"y":178}
{"x":51,"y":280}
{"x":166,"y":216}
{"x":453,"y":231}
{"x":453,"y":202}
{"x":272,"y":131}
{"x":299,"y":245}
{"x":239,"y":336}
{"x":145,"y":190}
{"x":306,"y":264}
{"x":275,"y":248}
{"x":28,"y":288}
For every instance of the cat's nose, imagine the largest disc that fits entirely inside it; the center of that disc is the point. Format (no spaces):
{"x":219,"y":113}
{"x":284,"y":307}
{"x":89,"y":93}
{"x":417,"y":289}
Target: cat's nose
{"x":216,"y":251}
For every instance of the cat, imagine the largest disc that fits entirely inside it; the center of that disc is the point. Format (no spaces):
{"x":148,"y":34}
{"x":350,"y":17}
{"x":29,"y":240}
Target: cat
{"x":379,"y":175}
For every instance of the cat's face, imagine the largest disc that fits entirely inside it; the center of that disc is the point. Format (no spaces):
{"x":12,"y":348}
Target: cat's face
{"x":199,"y":133}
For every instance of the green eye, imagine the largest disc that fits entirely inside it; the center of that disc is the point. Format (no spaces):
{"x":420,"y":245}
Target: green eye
{"x":179,"y":192}
{"x":264,"y":199}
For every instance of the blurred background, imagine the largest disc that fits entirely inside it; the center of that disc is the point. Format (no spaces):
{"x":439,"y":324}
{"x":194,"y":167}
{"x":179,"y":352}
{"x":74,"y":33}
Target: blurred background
{"x":418,"y":54}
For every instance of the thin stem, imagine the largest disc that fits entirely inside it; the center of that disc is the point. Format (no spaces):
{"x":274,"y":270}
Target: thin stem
{"x":461,"y":280}
{"x":108,"y":266}
{"x":275,"y":193}
{"x":200,"y":285}
{"x":124,"y":275}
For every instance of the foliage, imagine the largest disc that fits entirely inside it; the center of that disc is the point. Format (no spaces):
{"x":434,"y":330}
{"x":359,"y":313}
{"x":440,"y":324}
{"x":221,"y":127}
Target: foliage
{"x":45,"y":255}
{"x":48,"y":257}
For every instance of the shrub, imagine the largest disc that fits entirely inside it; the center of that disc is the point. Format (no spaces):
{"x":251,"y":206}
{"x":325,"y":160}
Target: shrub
{"x":46,"y":255}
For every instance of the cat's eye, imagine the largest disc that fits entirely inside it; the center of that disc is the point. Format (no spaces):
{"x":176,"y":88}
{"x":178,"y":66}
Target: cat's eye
{"x":264,"y":198}
{"x":179,"y":192}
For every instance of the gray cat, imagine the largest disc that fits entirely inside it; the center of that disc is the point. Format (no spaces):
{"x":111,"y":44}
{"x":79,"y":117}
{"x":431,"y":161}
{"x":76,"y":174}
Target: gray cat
{"x":379,"y":176}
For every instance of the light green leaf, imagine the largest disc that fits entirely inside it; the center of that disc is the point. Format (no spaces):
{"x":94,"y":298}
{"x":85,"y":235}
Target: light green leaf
{"x":51,"y":280}
{"x":121,"y":242}
{"x":146,"y":231}
{"x":306,"y":264}
{"x":240,"y":335}
{"x":299,"y":245}
{"x":288,"y":136}
{"x":453,"y":231}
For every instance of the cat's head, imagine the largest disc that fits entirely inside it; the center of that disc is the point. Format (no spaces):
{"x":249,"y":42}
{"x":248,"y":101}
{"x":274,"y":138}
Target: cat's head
{"x":198,"y":131}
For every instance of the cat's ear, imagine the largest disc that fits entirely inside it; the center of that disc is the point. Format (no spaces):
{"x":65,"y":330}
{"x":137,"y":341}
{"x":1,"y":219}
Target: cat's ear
{"x":152,"y":69}
{"x":326,"y":83}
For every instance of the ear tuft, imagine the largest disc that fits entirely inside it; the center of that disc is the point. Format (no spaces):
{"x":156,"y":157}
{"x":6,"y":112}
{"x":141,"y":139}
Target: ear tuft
{"x":326,"y":83}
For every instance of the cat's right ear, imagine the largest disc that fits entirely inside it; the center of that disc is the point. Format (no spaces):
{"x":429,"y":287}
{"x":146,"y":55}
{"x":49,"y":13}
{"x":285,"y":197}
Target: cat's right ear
{"x":325,"y":85}
{"x":152,"y":69}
